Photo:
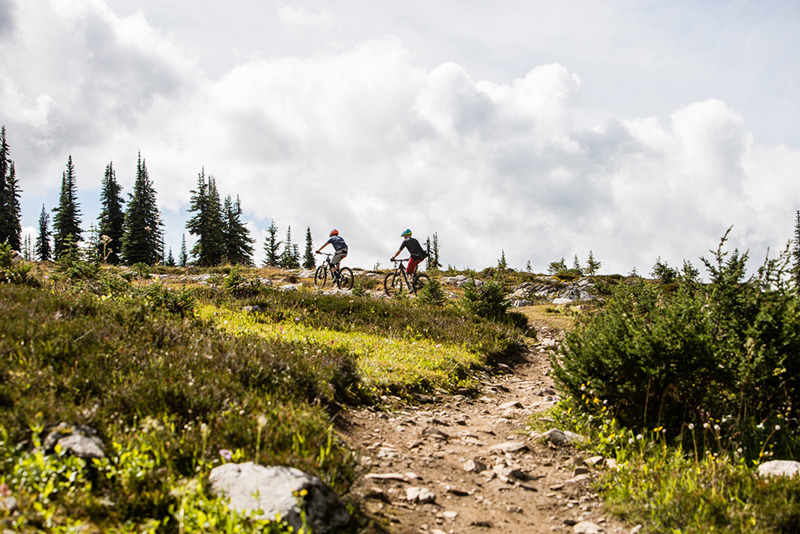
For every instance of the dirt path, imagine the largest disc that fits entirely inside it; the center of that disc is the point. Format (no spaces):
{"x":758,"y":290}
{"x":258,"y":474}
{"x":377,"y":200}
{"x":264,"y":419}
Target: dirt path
{"x":460,"y":465}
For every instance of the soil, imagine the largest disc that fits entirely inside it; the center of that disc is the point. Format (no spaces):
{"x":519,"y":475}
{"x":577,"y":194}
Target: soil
{"x":456,"y":464}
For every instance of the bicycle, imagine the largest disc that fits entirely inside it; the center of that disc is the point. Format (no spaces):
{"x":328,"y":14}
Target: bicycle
{"x":397,"y":282}
{"x":342,"y":279}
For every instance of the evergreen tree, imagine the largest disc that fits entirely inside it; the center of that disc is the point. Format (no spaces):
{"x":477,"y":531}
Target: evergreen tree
{"x":796,"y":251}
{"x":576,"y":264}
{"x":183,"y":258}
{"x":528,"y":267}
{"x":237,"y":240}
{"x":556,"y":267}
{"x":207,"y":224}
{"x":271,"y":246}
{"x":309,"y":260}
{"x":67,"y":223}
{"x":27,"y":248}
{"x":592,"y":265}
{"x":141,"y":241}
{"x":43,"y":250}
{"x":170,"y":259}
{"x":429,"y":251}
{"x":10,"y":228}
{"x":502,"y":265}
{"x":290,"y":259}
{"x":111,"y":222}
{"x":435,"y":263}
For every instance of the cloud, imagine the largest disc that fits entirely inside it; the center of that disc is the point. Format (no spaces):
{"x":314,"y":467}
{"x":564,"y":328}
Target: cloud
{"x":298,"y":18}
{"x":366,"y":140}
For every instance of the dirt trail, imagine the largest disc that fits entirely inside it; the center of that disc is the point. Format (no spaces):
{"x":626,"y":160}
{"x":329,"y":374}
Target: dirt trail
{"x":460,"y":465}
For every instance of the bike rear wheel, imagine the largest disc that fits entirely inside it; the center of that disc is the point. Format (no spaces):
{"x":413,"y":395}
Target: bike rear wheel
{"x":320,"y":277}
{"x":420,"y":281}
{"x":345,"y":278}
{"x":393,"y":284}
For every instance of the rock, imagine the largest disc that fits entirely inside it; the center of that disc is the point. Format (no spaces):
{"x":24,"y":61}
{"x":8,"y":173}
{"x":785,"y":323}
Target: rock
{"x":254,"y":309}
{"x":561,"y":438}
{"x":509,"y":446}
{"x":581,"y":470}
{"x":474,"y":466}
{"x":636,"y":529}
{"x":435,"y":433}
{"x":421,"y":495}
{"x":512,"y":404}
{"x":78,"y":440}
{"x":593,"y":461}
{"x":8,"y":505}
{"x":587,"y":527}
{"x":562,"y":301}
{"x":522,"y":303}
{"x":386,"y":476}
{"x":449,"y":515}
{"x":779,"y":468}
{"x":274,"y":490}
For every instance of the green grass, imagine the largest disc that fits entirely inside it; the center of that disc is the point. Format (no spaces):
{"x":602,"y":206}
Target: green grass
{"x":384,"y":363}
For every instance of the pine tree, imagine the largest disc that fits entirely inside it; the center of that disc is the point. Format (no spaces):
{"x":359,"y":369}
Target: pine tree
{"x":183,"y":258}
{"x":111,"y":221}
{"x":502,"y":265}
{"x":170,"y":259}
{"x":207,"y":224}
{"x":271,"y":246}
{"x":796,"y":251}
{"x":592,"y":265}
{"x":436,"y":264}
{"x":237,"y":240}
{"x":290,"y":259}
{"x":67,"y":223}
{"x":141,"y":242}
{"x":576,"y":264}
{"x":27,"y":248}
{"x":10,"y":215}
{"x":309,"y":260}
{"x":429,"y":252}
{"x":556,"y":267}
{"x":43,"y":250}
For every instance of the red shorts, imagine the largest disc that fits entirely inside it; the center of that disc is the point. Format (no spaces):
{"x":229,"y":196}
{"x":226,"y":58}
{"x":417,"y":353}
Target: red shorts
{"x":412,"y":265}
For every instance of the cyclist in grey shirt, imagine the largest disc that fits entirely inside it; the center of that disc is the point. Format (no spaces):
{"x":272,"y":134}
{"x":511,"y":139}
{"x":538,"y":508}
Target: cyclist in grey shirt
{"x":339,"y":250}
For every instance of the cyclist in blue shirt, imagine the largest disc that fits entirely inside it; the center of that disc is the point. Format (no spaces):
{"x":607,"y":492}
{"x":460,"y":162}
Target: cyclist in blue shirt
{"x":339,"y":250}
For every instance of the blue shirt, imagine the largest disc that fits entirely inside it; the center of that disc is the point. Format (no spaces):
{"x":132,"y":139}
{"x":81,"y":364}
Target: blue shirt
{"x":338,"y":243}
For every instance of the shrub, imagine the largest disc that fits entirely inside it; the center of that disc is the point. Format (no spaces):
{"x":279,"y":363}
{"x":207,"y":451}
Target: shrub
{"x":486,"y":300}
{"x":722,"y":357}
{"x":432,"y":293}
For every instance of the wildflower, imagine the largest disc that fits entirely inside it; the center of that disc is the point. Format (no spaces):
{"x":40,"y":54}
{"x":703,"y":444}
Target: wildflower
{"x":691,"y":426}
{"x":630,"y":440}
{"x":226,"y":454}
{"x":716,"y":427}
{"x":705,"y":425}
{"x":639,"y":436}
{"x":583,"y":387}
{"x":760,"y":426}
{"x":777,"y":427}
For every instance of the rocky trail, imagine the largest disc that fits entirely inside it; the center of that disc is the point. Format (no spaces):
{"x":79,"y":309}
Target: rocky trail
{"x":454,"y":464}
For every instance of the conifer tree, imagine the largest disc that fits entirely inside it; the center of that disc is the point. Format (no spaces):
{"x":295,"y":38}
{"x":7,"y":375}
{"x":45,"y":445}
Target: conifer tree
{"x":290,"y":259}
{"x":576,"y":264}
{"x":67,"y":223}
{"x":43,"y":250}
{"x":141,"y":242}
{"x":27,"y":248}
{"x":170,"y":260}
{"x":429,"y":252}
{"x":435,"y":263}
{"x":183,"y":257}
{"x":111,"y":221}
{"x":10,"y":215}
{"x":592,"y":265}
{"x":237,"y":240}
{"x":796,"y":251}
{"x":207,"y":224}
{"x":309,"y":260}
{"x":271,"y":247}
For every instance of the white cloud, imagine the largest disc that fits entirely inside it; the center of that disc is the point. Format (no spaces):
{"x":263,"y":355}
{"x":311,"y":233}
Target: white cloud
{"x":298,"y":18}
{"x":366,"y":140}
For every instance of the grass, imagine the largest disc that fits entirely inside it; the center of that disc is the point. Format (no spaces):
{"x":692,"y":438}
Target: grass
{"x":172,"y":375}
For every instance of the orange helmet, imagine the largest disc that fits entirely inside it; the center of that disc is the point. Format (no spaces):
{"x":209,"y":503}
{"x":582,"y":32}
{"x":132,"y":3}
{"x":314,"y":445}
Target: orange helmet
{"x":334,"y":232}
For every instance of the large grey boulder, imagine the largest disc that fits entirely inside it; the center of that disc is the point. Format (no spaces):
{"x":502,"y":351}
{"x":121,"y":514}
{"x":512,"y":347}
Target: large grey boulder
{"x":278,"y":491}
{"x":78,"y":440}
{"x":779,"y":468}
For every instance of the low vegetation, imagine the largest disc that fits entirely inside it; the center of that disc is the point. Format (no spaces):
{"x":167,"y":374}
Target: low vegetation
{"x":178,"y":379}
{"x":689,"y":386}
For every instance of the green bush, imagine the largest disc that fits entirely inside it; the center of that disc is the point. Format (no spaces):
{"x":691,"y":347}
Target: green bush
{"x":723,"y":357}
{"x":432,"y":293}
{"x":488,"y":300}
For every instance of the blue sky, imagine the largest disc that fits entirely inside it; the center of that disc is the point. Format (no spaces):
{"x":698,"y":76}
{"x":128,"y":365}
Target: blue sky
{"x":541,"y":129}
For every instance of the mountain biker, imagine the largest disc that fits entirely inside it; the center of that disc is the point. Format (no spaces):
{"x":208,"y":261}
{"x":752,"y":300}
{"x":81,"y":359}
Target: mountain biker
{"x":414,"y":248}
{"x":339,"y":250}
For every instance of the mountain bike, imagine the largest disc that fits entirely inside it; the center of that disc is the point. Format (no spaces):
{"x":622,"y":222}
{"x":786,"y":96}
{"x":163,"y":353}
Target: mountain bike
{"x":343,"y":279}
{"x":399,"y":281}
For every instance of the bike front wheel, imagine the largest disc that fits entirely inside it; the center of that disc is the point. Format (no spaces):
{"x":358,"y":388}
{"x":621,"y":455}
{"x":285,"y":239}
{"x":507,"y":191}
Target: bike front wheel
{"x":320,"y":277}
{"x":345,"y":278}
{"x":420,"y":281}
{"x":393,"y":284}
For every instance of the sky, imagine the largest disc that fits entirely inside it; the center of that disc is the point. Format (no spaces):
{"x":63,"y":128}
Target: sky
{"x":520,"y":128}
